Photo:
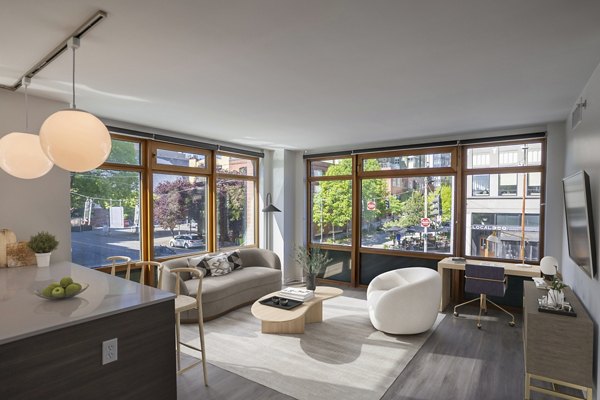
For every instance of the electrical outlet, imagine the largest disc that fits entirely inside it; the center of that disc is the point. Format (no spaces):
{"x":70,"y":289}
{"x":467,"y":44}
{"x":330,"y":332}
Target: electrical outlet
{"x":109,"y":351}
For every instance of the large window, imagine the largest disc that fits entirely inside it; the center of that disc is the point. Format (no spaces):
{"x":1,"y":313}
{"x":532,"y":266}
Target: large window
{"x":506,"y":224}
{"x":236,"y":199}
{"x":408,"y":214}
{"x":331,"y":214}
{"x":179,"y":214}
{"x":386,"y":210}
{"x":154,"y":200}
{"x":105,"y":207}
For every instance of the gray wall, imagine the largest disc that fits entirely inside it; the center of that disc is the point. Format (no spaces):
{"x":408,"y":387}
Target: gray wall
{"x":29,"y":206}
{"x":583,"y":152}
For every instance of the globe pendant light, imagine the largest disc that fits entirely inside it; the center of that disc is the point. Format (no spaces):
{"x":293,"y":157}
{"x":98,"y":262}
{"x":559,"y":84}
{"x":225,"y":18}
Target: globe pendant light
{"x":73,"y":139}
{"x":20,"y":153}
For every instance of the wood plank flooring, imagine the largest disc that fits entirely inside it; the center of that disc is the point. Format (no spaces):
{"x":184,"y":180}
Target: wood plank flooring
{"x":458,"y":361}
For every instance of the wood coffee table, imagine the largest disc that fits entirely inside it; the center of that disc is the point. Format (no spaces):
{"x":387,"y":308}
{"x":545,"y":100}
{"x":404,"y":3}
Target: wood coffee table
{"x":279,"y":320}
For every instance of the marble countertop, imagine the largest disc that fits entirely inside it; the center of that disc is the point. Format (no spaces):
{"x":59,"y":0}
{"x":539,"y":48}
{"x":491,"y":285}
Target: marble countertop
{"x":24,"y":314}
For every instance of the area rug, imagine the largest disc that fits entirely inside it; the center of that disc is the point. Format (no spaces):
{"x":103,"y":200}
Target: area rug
{"x":343,"y":357}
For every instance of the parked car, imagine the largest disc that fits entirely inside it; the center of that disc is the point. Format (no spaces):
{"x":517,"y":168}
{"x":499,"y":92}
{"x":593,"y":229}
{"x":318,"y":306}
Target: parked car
{"x":162,"y":250}
{"x":186,"y":241}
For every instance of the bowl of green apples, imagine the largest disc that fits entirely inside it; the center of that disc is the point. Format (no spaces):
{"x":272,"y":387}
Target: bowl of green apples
{"x":64,"y":289}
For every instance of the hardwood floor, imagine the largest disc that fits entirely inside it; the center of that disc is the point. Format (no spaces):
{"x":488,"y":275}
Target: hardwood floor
{"x":458,"y":361}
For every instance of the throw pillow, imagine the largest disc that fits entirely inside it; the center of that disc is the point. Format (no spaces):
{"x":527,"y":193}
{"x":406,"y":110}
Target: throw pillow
{"x":234,"y":258}
{"x":217,"y":265}
{"x":198,"y":263}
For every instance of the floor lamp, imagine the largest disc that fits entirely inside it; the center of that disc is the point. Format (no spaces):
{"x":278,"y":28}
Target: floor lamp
{"x":270,"y":208}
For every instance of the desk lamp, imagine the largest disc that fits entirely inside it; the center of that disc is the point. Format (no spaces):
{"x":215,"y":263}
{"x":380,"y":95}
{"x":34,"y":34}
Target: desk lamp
{"x":549,"y":267}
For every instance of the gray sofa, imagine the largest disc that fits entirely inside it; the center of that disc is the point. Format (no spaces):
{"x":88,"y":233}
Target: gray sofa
{"x":260,"y":275}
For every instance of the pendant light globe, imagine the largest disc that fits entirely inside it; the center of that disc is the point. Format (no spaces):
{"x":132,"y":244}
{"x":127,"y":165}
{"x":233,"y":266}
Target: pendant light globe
{"x":22,"y":157}
{"x":75,"y":140}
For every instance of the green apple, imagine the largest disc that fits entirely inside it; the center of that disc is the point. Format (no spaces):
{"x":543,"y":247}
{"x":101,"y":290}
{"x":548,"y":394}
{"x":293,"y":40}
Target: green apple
{"x":72,"y":289}
{"x":58,"y":292}
{"x":66,"y":281}
{"x":54,"y":284}
{"x":47,"y":292}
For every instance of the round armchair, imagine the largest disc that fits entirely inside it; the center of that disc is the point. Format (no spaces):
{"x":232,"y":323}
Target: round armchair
{"x":404,"y":301}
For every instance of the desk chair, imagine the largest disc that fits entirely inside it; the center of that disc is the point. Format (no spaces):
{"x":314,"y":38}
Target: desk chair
{"x":185,"y":303}
{"x":484,"y":280}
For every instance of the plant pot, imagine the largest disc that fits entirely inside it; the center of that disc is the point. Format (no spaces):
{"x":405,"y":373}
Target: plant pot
{"x":311,"y":282}
{"x":556,"y":298}
{"x":43,"y":259}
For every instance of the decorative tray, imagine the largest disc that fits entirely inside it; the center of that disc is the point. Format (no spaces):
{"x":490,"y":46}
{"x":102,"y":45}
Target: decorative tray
{"x":568,"y":310}
{"x":280,"y":302}
{"x":39,"y":293}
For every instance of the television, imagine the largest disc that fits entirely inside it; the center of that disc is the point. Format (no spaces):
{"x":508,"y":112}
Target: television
{"x":580,"y":223}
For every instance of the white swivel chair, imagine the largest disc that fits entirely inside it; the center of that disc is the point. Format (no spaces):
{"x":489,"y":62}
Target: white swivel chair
{"x":404,"y":301}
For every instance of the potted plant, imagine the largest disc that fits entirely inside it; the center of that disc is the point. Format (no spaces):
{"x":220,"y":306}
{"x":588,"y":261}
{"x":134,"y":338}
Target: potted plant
{"x":42,"y":244}
{"x":556,"y":297}
{"x":313,"y":261}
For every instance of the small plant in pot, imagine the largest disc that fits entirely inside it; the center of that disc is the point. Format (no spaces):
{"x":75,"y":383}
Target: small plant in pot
{"x":313,"y":261}
{"x":42,"y":244}
{"x":556,"y":297}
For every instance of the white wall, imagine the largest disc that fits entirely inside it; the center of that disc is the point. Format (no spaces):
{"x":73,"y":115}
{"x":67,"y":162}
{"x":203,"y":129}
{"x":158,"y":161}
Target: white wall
{"x":30,"y":206}
{"x":582,"y":152}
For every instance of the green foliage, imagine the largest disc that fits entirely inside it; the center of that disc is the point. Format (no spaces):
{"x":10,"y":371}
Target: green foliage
{"x":312,"y":260}
{"x":557,"y":284}
{"x":332,"y":204}
{"x":43,"y":242}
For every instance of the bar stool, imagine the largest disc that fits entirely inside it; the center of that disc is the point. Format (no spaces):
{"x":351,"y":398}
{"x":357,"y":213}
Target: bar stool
{"x":119,"y":260}
{"x":185,"y":303}
{"x":145,"y":266}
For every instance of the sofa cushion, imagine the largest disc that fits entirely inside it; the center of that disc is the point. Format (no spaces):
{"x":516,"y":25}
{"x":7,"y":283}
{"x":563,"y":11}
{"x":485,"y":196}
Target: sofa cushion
{"x":220,"y":287}
{"x":218,"y":265}
{"x":235,"y":259}
{"x":198,"y":263}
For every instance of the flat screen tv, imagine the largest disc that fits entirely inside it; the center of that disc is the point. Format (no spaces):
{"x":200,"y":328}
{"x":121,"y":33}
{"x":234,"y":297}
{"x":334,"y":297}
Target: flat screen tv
{"x":580,"y":223}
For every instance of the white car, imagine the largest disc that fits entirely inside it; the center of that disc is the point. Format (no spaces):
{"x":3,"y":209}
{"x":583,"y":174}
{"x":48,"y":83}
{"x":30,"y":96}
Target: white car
{"x":186,"y":241}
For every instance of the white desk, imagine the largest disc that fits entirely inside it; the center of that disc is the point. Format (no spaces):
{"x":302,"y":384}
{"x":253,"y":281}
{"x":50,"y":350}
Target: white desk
{"x":446,"y":266}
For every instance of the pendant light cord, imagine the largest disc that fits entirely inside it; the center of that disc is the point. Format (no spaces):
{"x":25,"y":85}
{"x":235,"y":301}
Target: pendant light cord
{"x":74,"y":107}
{"x":26,"y":110}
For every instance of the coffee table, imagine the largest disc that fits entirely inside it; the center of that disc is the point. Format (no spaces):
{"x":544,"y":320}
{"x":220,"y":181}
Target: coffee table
{"x":279,"y":320}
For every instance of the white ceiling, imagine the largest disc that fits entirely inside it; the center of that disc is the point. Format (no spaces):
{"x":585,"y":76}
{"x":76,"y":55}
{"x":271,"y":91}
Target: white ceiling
{"x":311,"y":74}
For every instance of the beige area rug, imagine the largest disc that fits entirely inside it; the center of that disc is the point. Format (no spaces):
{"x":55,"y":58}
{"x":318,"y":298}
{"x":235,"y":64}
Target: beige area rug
{"x":343,"y":357}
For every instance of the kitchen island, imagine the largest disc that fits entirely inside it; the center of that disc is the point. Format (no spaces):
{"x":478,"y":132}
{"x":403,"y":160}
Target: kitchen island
{"x":53,"y":348}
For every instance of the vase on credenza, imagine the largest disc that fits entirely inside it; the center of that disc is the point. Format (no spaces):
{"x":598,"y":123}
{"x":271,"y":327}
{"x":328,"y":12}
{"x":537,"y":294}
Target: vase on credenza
{"x":556,"y":298}
{"x":43,"y":259}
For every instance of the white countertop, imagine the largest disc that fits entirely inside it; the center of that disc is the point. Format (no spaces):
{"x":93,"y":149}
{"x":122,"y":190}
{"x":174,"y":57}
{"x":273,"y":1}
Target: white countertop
{"x":23,"y":314}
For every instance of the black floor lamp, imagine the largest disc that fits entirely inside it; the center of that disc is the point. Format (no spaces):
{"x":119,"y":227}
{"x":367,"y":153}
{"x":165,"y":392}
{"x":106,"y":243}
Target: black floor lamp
{"x":270,"y":208}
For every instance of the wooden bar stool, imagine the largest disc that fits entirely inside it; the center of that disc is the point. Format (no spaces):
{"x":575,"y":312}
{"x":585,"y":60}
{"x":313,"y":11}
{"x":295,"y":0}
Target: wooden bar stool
{"x":145,"y":267}
{"x":185,"y":303}
{"x":119,"y":260}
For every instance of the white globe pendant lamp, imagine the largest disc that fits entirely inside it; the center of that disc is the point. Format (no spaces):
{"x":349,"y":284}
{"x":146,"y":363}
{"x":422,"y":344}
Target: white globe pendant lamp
{"x":20,"y":153}
{"x":73,"y":139}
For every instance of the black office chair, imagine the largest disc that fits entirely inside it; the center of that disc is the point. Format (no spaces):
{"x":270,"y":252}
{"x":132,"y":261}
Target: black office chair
{"x":484,"y":280}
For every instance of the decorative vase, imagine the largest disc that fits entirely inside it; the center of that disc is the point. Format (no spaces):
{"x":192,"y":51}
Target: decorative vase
{"x":43,"y":259}
{"x":311,"y":282}
{"x":556,"y":298}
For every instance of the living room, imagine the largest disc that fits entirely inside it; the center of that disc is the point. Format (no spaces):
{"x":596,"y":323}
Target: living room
{"x":287,"y":87}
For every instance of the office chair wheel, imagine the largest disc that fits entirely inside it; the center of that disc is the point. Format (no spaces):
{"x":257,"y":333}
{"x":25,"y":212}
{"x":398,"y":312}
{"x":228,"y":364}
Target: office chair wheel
{"x":455,"y":314}
{"x":478,"y":326}
{"x":511,"y":323}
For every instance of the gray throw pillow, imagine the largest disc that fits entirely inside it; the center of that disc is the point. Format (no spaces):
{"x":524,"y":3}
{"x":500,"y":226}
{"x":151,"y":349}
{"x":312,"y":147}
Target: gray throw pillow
{"x":198,"y":263}
{"x":217,"y":265}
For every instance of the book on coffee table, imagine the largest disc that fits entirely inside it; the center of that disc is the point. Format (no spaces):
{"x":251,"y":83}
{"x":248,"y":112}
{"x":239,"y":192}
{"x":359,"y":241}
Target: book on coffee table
{"x":297,"y":294}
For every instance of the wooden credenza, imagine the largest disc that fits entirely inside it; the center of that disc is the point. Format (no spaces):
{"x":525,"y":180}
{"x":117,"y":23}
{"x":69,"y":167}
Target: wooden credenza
{"x":558,"y":349}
